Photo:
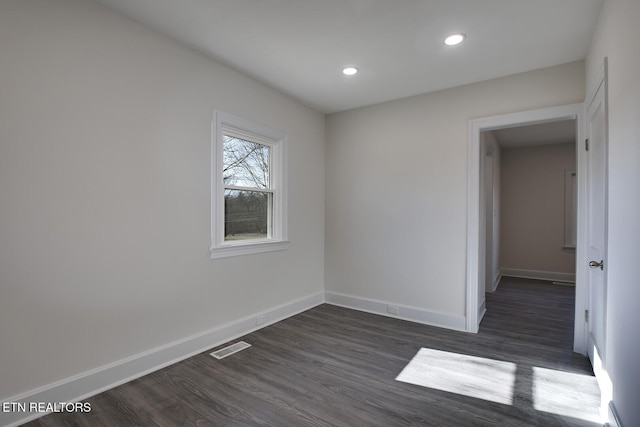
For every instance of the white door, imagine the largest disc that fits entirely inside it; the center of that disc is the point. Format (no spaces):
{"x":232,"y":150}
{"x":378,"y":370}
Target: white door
{"x":596,"y":224}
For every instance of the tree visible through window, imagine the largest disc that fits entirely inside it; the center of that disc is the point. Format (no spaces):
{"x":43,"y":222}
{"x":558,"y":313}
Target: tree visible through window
{"x":248,"y":198}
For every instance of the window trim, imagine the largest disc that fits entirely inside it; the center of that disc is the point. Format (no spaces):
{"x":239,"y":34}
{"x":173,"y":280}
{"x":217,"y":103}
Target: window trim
{"x":261,"y":134}
{"x":570,"y":209}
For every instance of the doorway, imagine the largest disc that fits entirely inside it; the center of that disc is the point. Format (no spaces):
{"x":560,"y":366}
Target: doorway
{"x":476,"y":229}
{"x":531,"y":171}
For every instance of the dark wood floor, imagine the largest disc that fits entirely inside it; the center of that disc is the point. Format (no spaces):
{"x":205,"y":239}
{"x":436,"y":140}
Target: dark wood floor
{"x":331,"y":366}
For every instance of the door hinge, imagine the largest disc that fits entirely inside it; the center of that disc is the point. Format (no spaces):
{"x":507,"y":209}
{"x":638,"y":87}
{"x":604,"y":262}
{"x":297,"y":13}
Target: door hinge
{"x":586,"y":316}
{"x":586,"y":144}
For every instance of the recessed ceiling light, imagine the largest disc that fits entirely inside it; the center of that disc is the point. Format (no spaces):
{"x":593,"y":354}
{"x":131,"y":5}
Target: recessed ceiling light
{"x":350,"y":71}
{"x":454,"y":39}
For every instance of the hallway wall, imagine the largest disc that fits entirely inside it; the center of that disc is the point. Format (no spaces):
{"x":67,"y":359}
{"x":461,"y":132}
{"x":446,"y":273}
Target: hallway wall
{"x":533,"y":208}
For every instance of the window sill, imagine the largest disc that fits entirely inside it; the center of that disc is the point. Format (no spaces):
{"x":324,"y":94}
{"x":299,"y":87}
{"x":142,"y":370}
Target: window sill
{"x":243,"y":248}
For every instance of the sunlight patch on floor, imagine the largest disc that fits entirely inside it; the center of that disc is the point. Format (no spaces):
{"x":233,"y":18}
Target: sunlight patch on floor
{"x":572,"y":395}
{"x":477,"y":377}
{"x":566,"y":394}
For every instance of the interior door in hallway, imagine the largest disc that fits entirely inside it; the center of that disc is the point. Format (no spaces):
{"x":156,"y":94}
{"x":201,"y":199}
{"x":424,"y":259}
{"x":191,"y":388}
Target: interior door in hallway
{"x":596,"y":224}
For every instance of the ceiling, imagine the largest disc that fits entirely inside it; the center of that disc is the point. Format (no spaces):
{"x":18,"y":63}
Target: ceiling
{"x":557,"y":132}
{"x":300,"y":46}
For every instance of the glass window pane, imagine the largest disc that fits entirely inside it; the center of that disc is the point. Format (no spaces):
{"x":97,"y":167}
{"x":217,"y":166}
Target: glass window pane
{"x":247,"y":215}
{"x":245,"y":163}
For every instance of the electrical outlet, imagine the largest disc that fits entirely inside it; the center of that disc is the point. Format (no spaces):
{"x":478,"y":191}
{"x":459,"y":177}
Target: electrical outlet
{"x":261,"y":319}
{"x":392,"y":309}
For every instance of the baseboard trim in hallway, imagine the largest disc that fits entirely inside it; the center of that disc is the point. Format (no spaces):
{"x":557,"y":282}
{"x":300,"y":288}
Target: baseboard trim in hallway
{"x":538,"y":275}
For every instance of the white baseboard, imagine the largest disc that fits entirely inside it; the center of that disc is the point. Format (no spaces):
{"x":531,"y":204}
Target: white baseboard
{"x":412,"y":314}
{"x":604,"y":383}
{"x":482,"y":310}
{"x":89,"y":383}
{"x":496,"y":281}
{"x":95,"y":381}
{"x":539,"y":275}
{"x":491,"y":287}
{"x":613,"y":419}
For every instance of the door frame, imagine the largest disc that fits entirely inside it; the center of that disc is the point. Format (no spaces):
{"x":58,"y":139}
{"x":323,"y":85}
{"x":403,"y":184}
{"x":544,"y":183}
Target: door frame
{"x":475,"y":192}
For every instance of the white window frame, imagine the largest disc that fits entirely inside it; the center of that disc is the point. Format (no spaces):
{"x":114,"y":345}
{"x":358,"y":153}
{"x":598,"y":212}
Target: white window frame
{"x":228,"y":123}
{"x":570,"y":209}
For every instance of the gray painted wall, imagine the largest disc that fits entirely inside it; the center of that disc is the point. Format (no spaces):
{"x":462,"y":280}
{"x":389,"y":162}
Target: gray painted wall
{"x":397,"y":187}
{"x":533,"y":207}
{"x":105,"y":133}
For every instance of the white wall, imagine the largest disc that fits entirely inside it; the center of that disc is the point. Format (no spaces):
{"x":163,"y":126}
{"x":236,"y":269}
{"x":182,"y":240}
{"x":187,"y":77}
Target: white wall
{"x":493,"y":154}
{"x":105,"y":193}
{"x":617,"y":38}
{"x":397,"y":187}
{"x":533,"y":208}
{"x":489,"y":213}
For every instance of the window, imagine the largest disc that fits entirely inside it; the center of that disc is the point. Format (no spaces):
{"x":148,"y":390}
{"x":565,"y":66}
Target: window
{"x":570,"y":210}
{"x":248,"y":201}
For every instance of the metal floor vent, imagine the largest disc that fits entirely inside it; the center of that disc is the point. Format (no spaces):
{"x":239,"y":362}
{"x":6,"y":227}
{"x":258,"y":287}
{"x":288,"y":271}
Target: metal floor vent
{"x":228,"y":351}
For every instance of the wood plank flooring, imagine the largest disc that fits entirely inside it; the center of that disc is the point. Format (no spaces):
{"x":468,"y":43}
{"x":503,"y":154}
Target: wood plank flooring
{"x":331,"y":366}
